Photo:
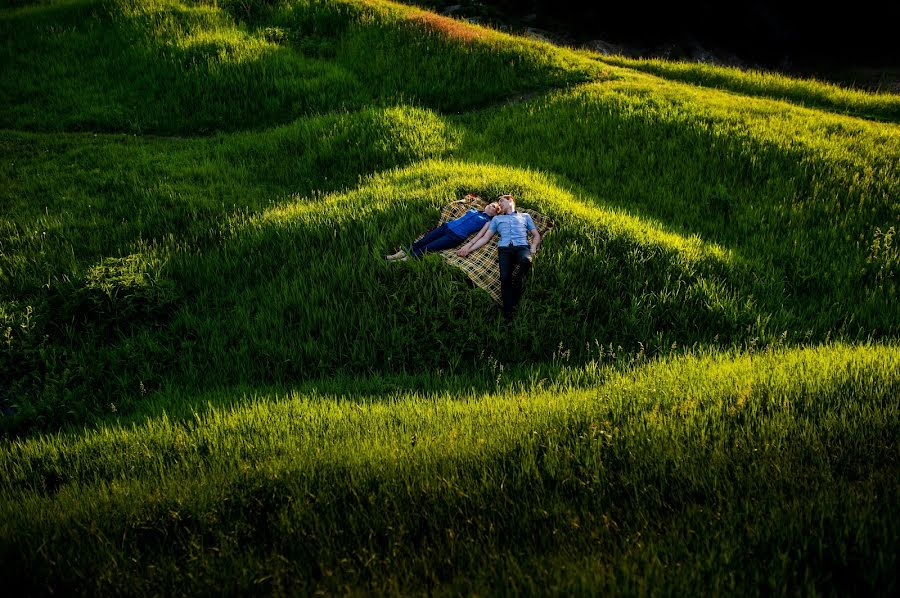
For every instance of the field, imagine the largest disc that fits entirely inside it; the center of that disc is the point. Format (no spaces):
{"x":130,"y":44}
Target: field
{"x":212,"y":381}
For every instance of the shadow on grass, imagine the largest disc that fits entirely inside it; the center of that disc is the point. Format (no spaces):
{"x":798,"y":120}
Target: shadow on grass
{"x":682,"y":470}
{"x":300,"y":292}
{"x":168,"y":69}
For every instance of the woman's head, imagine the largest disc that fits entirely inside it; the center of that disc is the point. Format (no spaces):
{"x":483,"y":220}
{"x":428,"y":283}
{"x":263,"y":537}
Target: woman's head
{"x":492,"y":209}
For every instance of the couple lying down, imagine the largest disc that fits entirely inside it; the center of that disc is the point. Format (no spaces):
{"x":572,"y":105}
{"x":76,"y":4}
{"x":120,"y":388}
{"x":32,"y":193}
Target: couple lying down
{"x":514,"y":251}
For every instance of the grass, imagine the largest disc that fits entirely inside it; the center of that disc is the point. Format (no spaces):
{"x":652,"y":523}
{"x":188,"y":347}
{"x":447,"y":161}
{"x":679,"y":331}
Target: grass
{"x":805,"y":92}
{"x":212,"y":380}
{"x":174,"y":68}
{"x":765,"y":459}
{"x":802,"y":195}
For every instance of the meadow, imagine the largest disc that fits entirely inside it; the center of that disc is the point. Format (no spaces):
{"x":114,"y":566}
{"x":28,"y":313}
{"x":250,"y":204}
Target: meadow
{"x":213,"y":381}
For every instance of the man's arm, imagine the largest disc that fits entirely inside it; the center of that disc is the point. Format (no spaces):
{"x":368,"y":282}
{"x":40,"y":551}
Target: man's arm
{"x":535,"y":240}
{"x":485,"y":236}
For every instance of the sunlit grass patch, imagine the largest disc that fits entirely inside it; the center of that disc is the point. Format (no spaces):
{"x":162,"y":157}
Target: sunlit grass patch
{"x":72,"y":200}
{"x":447,"y":26}
{"x":345,"y":295}
{"x":789,"y":188}
{"x":807,"y":92}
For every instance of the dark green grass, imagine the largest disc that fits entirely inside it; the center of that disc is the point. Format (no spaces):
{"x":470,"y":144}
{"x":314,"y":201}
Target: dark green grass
{"x":774,"y":474}
{"x":212,"y":381}
{"x":172,"y":68}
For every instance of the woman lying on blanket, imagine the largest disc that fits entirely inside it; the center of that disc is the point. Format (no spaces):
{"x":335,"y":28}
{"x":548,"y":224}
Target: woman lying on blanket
{"x":453,"y":233}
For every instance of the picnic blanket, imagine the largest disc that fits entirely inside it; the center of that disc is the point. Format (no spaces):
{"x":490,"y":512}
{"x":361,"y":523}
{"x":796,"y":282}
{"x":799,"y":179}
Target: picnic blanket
{"x":481,"y":265}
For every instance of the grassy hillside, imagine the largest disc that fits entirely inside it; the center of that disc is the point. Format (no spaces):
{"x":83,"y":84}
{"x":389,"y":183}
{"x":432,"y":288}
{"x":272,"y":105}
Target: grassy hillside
{"x":758,"y":473}
{"x":163,"y":66}
{"x":211,"y":378}
{"x":811,"y":93}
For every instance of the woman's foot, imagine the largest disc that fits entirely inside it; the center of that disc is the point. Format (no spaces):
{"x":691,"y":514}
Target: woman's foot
{"x":400,"y":255}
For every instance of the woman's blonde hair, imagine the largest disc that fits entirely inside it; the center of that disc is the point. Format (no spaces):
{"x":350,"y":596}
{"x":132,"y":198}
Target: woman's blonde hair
{"x":477,"y":200}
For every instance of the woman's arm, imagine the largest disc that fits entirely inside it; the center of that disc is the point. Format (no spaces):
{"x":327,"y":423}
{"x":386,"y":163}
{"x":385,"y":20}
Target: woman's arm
{"x":483,"y":239}
{"x":476,"y":238}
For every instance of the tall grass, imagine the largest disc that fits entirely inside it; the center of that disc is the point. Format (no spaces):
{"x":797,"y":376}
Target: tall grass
{"x":806,"y":92}
{"x":162,"y":66}
{"x":775,"y":472}
{"x":804,"y":196}
{"x":211,"y":380}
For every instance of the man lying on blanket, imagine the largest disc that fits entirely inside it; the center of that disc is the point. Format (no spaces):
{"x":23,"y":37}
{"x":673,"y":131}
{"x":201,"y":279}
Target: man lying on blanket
{"x":514,"y":253}
{"x":451,"y":234}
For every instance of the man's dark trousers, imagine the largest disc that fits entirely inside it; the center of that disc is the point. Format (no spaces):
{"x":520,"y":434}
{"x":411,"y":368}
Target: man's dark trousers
{"x":515,"y":263}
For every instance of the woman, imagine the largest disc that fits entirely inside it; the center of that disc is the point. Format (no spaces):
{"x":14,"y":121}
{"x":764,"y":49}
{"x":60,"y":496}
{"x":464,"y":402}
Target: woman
{"x":451,"y":234}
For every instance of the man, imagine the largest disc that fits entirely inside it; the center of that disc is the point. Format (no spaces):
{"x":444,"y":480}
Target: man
{"x":514,"y":252}
{"x":450,"y":234}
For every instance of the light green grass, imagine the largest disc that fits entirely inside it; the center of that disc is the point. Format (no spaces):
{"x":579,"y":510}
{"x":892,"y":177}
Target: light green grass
{"x":804,"y":195}
{"x":806,"y":92}
{"x":212,"y":381}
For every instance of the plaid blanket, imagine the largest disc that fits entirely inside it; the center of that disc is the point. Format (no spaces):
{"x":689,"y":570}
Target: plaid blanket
{"x":481,"y":265}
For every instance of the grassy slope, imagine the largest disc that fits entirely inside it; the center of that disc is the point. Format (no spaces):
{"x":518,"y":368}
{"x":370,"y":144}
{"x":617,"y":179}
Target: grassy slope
{"x":811,"y":93}
{"x":797,"y":193}
{"x":142,"y":274}
{"x":189,"y":68}
{"x":760,"y":459}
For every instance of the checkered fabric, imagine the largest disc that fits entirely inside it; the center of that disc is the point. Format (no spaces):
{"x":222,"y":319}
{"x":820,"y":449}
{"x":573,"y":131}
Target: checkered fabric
{"x":481,"y":266}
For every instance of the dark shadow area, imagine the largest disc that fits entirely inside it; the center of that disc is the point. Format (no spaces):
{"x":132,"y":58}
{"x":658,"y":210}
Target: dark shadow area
{"x":852,"y":44}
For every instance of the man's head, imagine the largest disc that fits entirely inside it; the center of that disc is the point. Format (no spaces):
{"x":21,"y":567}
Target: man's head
{"x":507,"y":204}
{"x":492,"y":209}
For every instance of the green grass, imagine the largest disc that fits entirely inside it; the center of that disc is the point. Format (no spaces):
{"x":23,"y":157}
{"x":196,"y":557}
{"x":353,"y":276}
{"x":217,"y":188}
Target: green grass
{"x":806,"y":92}
{"x":758,"y":473}
{"x":803,"y":196}
{"x":168,"y":67}
{"x":212,"y":380}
